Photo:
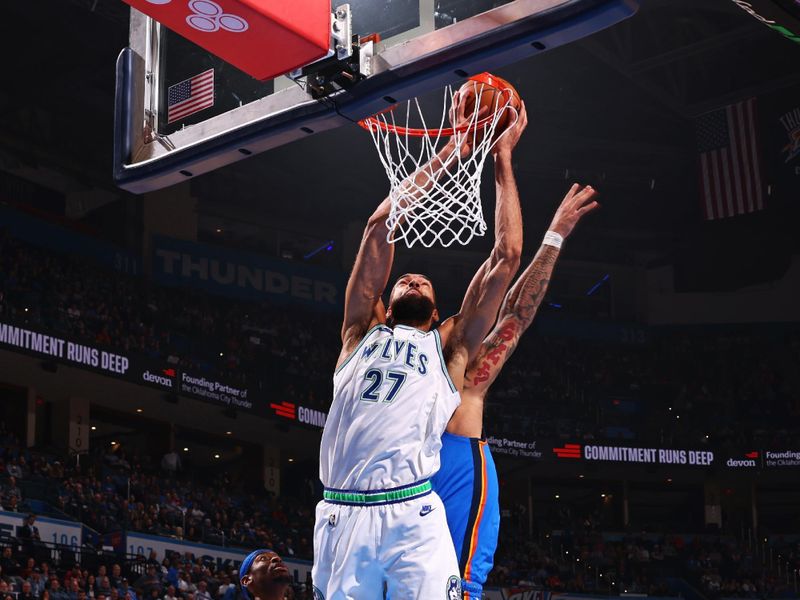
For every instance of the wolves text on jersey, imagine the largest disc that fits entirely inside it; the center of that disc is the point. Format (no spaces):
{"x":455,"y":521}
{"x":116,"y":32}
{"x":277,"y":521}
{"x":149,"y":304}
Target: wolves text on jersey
{"x":390,"y":349}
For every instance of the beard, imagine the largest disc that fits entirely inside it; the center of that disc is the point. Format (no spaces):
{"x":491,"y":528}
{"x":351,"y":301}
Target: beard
{"x":412,"y":309}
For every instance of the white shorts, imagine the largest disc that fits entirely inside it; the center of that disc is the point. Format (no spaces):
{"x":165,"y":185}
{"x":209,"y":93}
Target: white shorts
{"x":404,"y":548}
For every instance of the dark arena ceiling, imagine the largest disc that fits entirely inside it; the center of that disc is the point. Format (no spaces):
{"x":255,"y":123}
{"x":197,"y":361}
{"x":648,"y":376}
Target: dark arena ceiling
{"x":615,"y":110}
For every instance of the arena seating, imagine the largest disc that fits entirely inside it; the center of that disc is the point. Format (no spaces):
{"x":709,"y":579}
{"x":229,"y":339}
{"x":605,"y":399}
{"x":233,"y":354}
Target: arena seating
{"x":553,"y":388}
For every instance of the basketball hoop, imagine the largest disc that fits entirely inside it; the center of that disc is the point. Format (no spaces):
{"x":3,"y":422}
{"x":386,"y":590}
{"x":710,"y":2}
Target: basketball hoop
{"x":434,"y":178}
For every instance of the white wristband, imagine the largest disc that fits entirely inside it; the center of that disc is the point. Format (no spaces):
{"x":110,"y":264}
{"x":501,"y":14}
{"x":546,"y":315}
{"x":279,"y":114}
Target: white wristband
{"x":551,"y":238}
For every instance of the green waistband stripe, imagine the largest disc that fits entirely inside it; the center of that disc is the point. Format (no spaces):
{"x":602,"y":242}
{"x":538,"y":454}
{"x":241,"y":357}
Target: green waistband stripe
{"x":378,"y":497}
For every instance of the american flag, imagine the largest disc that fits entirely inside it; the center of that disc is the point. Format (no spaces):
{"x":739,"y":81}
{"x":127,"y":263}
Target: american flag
{"x":730,"y":173}
{"x":190,"y":96}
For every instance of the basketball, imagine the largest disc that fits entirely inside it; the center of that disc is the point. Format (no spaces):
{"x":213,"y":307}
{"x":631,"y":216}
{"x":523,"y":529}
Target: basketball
{"x":496,"y":94}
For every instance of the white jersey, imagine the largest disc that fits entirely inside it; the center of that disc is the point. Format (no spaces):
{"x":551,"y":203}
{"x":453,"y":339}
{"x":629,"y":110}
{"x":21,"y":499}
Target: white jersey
{"x":392,"y":399}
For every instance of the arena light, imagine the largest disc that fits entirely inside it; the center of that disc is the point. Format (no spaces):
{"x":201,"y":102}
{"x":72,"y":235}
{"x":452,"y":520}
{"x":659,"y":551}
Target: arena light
{"x":94,"y":428}
{"x":185,"y":449}
{"x":216,"y":456}
{"x":139,"y":410}
{"x":597,"y":285}
{"x":228,"y":433}
{"x":327,"y":246}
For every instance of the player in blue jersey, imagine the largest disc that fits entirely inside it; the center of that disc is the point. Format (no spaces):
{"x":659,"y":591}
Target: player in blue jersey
{"x":467,"y":480}
{"x":263,"y":576}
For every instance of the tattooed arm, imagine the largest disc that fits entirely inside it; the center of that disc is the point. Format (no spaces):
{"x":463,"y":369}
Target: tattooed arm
{"x":516,"y":314}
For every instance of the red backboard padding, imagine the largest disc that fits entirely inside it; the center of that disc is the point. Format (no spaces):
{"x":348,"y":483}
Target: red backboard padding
{"x":263,"y":38}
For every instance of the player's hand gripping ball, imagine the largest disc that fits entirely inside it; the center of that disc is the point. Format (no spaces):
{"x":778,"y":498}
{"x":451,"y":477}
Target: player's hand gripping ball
{"x":488,"y":94}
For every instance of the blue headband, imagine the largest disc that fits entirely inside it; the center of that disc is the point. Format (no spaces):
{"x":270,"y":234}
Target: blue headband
{"x":244,"y":568}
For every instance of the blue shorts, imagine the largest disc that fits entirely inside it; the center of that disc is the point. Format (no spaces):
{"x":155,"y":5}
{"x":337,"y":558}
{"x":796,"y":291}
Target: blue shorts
{"x":467,"y":485}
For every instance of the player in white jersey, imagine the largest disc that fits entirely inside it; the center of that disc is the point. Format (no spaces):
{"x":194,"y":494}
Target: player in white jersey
{"x":379,"y":527}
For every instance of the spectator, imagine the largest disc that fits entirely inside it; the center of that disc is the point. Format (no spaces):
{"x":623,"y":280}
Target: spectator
{"x":172,"y":573}
{"x":14,"y":469}
{"x":36,"y":582}
{"x":56,"y":592}
{"x":225,"y":585}
{"x":11,"y":494}
{"x":74,"y":589}
{"x":116,"y":576}
{"x":29,"y":530}
{"x":27,"y":591}
{"x":103,"y":585}
{"x":185,"y":585}
{"x":126,"y":592}
{"x":9,"y":565}
{"x":202,"y":591}
{"x":30,"y":565}
{"x":170,"y":594}
{"x":148,"y":582}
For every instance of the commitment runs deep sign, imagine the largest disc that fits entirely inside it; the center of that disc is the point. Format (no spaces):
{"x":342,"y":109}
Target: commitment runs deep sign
{"x":627,"y":454}
{"x":63,"y":350}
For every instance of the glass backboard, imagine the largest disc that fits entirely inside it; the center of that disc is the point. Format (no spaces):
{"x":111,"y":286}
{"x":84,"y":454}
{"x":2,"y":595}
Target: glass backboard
{"x":166,"y":134}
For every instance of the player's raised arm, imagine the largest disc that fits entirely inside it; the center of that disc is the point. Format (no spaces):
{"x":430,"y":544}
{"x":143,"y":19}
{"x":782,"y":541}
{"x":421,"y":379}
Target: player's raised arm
{"x":368,"y":279}
{"x":478,"y":311}
{"x":362,"y":306}
{"x":524,"y":298}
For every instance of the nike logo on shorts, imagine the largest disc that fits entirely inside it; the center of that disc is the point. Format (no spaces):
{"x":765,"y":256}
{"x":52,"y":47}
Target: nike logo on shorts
{"x":426,"y":509}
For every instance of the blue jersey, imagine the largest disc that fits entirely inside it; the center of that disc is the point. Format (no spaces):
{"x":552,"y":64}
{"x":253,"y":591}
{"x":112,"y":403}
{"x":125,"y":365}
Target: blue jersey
{"x":467,"y":484}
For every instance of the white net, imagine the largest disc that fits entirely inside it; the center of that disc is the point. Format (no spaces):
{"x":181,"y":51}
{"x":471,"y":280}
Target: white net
{"x":435,"y":173}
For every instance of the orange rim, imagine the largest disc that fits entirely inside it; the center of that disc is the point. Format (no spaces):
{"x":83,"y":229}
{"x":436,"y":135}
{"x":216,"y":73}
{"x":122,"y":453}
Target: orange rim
{"x":486,"y":78}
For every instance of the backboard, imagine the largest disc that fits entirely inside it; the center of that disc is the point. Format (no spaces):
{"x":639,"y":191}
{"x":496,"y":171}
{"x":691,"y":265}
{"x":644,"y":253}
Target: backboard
{"x":181,"y":111}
